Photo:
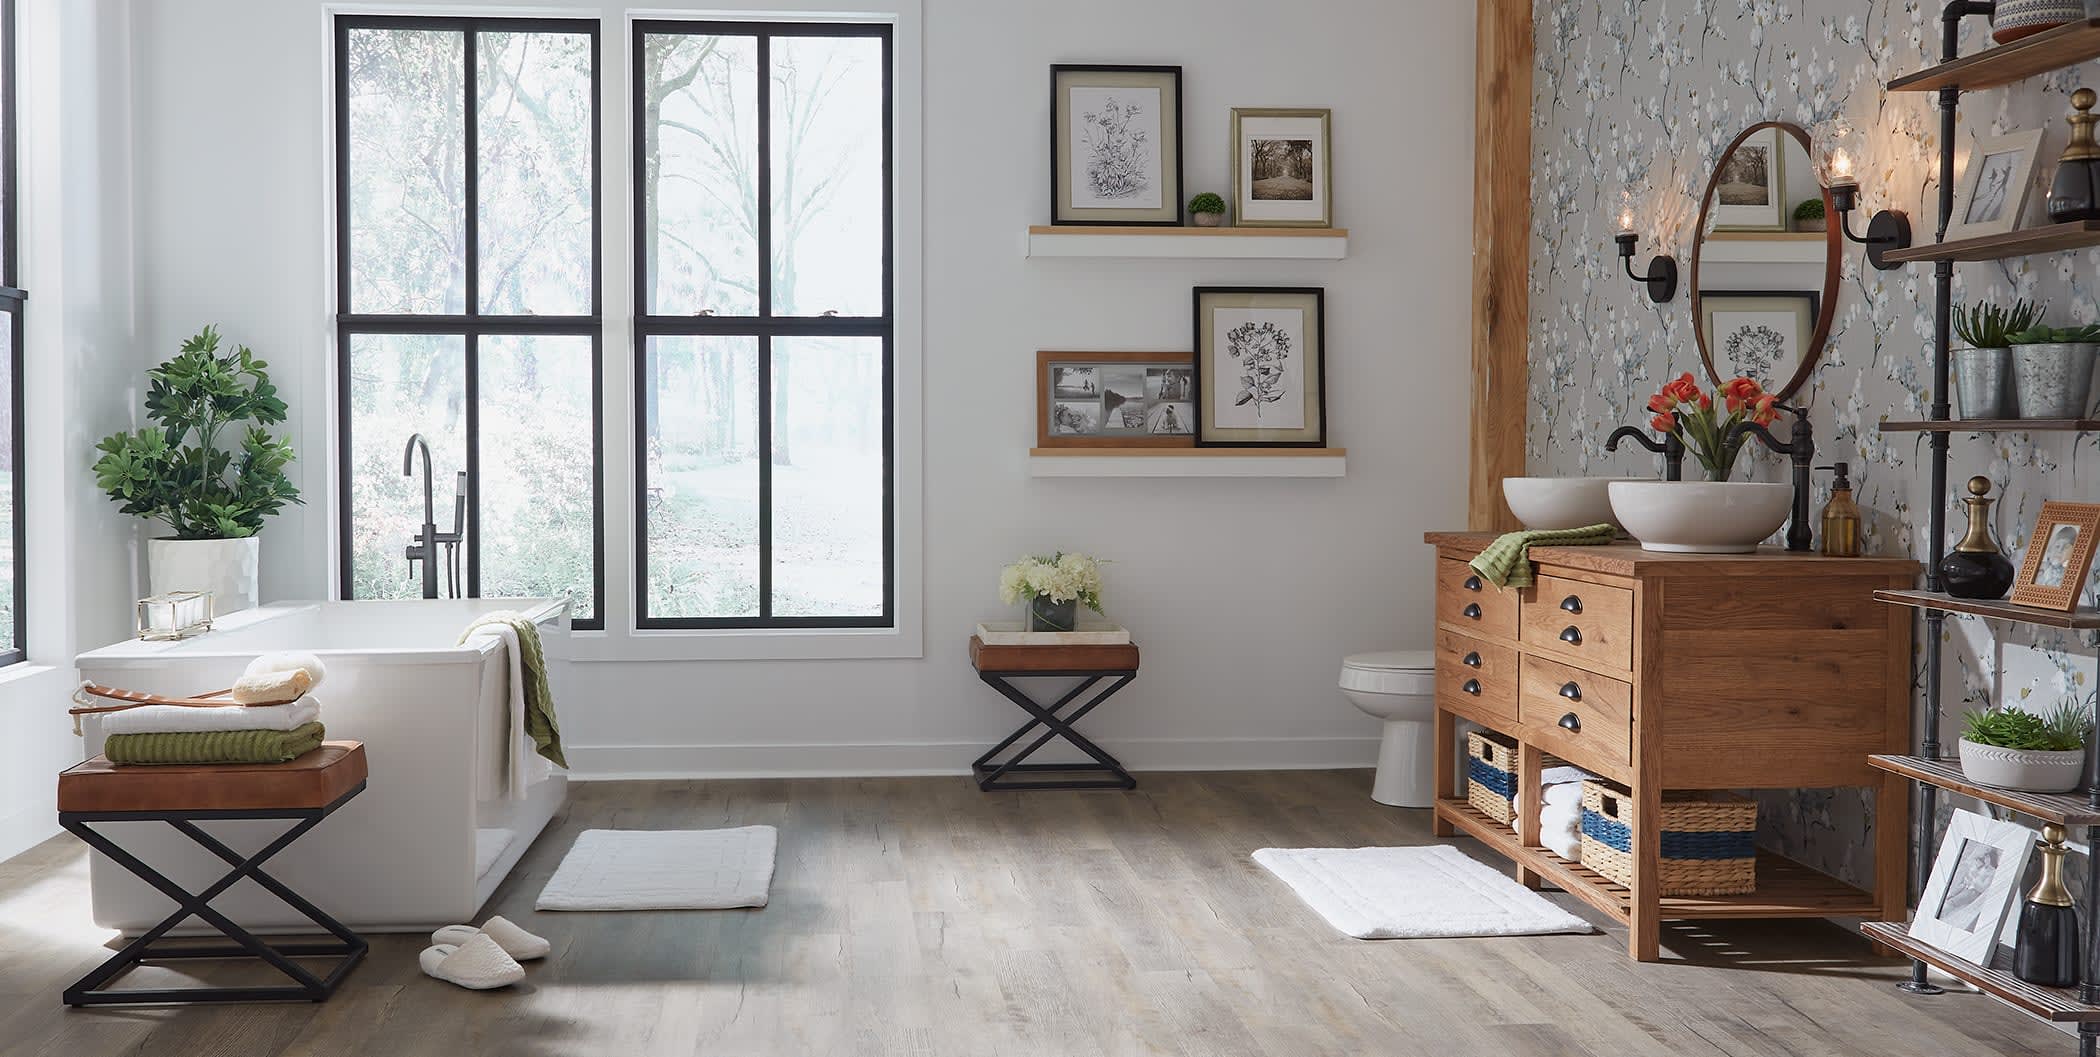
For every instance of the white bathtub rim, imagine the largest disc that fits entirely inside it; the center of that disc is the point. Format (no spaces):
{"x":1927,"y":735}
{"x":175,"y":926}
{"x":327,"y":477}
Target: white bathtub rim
{"x":136,"y":653}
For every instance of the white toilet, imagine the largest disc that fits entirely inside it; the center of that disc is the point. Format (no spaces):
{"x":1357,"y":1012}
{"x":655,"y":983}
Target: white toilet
{"x":1400,"y":688}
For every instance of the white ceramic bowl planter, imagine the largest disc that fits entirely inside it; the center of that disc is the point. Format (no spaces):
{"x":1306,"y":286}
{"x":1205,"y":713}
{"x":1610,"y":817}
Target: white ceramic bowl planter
{"x":1701,"y":517}
{"x":229,"y":568}
{"x":1560,"y":502}
{"x":2029,"y":770}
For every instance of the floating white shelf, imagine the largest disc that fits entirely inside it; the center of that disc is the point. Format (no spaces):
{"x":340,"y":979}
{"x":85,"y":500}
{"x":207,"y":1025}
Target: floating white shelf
{"x":1304,"y":244}
{"x":1187,"y":462}
{"x":1765,"y":247}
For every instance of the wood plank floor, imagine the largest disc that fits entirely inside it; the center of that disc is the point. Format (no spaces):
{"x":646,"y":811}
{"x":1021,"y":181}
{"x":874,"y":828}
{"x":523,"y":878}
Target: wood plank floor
{"x":921,"y":917}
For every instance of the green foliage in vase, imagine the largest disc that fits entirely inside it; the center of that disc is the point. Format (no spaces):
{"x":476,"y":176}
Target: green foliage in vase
{"x":2056,"y":335}
{"x":1990,"y":326}
{"x":202,"y":490}
{"x":1207,"y":202}
{"x":2061,"y":729}
{"x":1809,"y":209}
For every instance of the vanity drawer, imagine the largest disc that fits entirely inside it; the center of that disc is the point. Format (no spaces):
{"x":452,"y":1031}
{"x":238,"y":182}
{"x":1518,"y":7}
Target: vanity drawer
{"x":1579,"y":716}
{"x":1465,"y":600}
{"x":1580,"y":620}
{"x":1477,"y":679}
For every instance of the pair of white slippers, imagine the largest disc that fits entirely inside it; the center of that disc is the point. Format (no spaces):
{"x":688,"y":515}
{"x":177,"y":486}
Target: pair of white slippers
{"x":481,"y":958}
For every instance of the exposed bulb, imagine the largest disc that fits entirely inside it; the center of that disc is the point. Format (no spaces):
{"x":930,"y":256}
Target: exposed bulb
{"x":1841,"y":165}
{"x":1625,"y":220}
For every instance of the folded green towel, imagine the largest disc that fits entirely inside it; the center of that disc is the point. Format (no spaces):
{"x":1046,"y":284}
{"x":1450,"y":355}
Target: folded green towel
{"x":214,"y":746}
{"x":539,"y":698}
{"x":1507,"y":561}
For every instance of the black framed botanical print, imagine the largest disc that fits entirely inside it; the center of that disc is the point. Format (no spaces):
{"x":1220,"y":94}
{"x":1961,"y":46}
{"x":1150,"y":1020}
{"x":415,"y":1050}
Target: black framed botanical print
{"x":1261,"y":366}
{"x":1115,"y":144}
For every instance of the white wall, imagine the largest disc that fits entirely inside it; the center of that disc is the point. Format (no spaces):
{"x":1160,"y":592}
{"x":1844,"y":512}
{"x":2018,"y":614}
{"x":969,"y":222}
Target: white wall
{"x":80,"y":380}
{"x":1244,"y":593}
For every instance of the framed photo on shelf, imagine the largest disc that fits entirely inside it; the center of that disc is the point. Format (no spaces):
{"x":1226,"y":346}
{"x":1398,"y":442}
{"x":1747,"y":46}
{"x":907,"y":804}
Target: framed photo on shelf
{"x":1992,"y":192}
{"x":1261,"y":367}
{"x":1763,"y":335}
{"x":1281,"y":170}
{"x":1114,"y":400}
{"x":1115,"y":145}
{"x":2059,"y":553}
{"x":1750,"y":188}
{"x":1973,"y":884}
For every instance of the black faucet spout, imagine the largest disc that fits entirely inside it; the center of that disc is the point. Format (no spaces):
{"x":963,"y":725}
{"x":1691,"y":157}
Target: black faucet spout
{"x":425,"y":547}
{"x":1670,"y":447}
{"x":1800,"y":450}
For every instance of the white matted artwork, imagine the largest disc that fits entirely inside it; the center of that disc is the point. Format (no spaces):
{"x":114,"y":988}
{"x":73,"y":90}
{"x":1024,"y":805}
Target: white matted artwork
{"x":1115,"y":144}
{"x":1750,"y":185}
{"x":1282,"y":175}
{"x":1260,"y":372}
{"x":1991,"y":195}
{"x":1762,"y":335}
{"x":1974,"y":880}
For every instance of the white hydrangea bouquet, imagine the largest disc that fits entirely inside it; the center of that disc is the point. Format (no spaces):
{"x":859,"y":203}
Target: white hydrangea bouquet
{"x":1053,"y":588}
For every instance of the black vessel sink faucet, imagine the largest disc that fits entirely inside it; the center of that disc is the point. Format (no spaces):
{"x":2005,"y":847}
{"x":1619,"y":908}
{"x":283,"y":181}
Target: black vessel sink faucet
{"x":1800,"y":450}
{"x":1670,"y":447}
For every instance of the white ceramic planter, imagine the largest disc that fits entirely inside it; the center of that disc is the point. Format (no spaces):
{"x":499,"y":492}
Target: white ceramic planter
{"x":2029,"y":770}
{"x":230,"y":569}
{"x":1560,"y":502}
{"x":1701,"y":517}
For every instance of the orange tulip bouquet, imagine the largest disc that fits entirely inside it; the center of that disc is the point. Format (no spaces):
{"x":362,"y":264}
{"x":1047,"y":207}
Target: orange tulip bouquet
{"x":1684,"y":409}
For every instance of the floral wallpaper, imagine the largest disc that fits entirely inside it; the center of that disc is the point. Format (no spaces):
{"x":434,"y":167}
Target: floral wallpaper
{"x":1644,"y":95}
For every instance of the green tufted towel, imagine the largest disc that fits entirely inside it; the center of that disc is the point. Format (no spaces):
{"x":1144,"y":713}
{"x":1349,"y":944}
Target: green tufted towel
{"x":539,"y":698}
{"x":1507,"y":561}
{"x":214,"y":746}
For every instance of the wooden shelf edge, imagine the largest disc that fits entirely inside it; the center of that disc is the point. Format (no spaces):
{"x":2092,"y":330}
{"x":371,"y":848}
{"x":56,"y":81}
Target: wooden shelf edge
{"x":2064,"y":809}
{"x":1992,"y":609}
{"x":1177,"y":453}
{"x":1993,"y":425}
{"x":2049,"y":238}
{"x":2049,"y":1003}
{"x":1170,"y":230}
{"x":2054,"y":49}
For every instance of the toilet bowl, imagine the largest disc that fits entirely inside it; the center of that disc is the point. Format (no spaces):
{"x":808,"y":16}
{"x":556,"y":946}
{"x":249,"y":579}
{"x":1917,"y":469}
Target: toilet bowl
{"x":1400,"y":688}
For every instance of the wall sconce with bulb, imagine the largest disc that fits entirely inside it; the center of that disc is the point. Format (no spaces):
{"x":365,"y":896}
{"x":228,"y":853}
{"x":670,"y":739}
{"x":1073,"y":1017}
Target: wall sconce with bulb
{"x":1887,"y":230}
{"x":1661,"y":279}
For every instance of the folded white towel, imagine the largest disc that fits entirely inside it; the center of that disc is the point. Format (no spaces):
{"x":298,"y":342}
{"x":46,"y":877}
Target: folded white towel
{"x":1566,"y":843}
{"x":1560,"y":775}
{"x":1561,"y":815}
{"x":172,"y":719}
{"x":1566,"y":793}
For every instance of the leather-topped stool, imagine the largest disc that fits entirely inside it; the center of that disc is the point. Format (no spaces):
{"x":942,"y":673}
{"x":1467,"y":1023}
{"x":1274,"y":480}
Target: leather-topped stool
{"x":305,"y":790}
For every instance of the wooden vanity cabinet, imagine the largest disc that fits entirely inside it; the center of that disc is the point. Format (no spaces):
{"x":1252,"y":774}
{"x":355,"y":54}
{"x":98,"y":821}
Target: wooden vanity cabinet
{"x":1768,"y":670}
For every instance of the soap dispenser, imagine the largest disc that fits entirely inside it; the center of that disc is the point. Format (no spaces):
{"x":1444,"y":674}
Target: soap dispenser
{"x":1841,"y":525}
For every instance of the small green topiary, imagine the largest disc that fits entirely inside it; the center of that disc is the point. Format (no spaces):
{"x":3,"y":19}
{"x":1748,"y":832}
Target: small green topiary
{"x":1809,"y":209}
{"x":1206,"y":203}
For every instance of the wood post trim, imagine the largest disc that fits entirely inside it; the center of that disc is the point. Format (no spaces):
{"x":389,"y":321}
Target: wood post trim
{"x":1501,"y":304}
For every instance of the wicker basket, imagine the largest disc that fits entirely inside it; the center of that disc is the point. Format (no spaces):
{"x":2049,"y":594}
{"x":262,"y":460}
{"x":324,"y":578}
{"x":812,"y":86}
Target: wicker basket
{"x":1491,"y":775}
{"x":1709,"y":843}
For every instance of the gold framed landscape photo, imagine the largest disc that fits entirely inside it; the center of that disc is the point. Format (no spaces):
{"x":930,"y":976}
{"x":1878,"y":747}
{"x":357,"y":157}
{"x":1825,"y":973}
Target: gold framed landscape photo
{"x":2059,"y":553}
{"x":1282,"y":172}
{"x":1261,"y":367}
{"x":1114,"y":400}
{"x":1115,"y":144}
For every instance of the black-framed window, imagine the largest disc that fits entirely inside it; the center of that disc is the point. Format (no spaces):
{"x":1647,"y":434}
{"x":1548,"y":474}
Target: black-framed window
{"x":765,"y":325}
{"x":13,"y":594}
{"x":469,"y":301}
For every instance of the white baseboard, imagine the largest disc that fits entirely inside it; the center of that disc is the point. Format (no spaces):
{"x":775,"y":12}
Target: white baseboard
{"x":27,"y":828}
{"x":637,"y":762}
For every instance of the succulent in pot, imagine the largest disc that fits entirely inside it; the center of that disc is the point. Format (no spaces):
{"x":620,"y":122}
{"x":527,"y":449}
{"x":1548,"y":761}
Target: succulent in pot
{"x":1983,"y":370}
{"x":2053,"y":370}
{"x":2028,"y":751}
{"x":1207,"y":210}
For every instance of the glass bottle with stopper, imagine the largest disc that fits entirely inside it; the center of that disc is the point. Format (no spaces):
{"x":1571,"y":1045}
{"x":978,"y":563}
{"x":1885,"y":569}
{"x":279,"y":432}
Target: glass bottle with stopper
{"x":2075,"y":192}
{"x":2045,"y":952}
{"x":1976,"y":568}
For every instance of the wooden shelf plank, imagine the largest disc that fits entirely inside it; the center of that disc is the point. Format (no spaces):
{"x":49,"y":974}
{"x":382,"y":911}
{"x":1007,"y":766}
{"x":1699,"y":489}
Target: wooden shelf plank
{"x":2046,"y":239}
{"x":1994,"y":425}
{"x":1994,"y":609}
{"x":2054,"y":49}
{"x":1188,"y":462}
{"x":2064,"y":809}
{"x":2049,"y":1003}
{"x":1327,"y":244}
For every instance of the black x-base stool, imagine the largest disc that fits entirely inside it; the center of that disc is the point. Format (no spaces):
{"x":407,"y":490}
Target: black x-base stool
{"x":305,"y":791}
{"x":998,"y":666}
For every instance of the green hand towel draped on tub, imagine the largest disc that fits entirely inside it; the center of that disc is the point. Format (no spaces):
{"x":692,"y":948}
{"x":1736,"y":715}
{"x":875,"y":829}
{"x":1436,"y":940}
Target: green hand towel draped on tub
{"x":1507,"y":561}
{"x":540,"y":725}
{"x":214,"y":746}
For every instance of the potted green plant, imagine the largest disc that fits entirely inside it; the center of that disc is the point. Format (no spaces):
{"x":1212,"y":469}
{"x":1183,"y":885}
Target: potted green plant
{"x":1808,"y":216}
{"x":207,"y":468}
{"x":1207,"y":210}
{"x":1983,"y":370}
{"x":2052,"y":369}
{"x":2037,"y":753}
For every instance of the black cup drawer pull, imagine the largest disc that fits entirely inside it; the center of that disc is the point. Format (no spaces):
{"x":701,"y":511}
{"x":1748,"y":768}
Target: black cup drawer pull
{"x":1470,"y":660}
{"x":1571,"y":635}
{"x":1572,"y":603}
{"x":1471,"y":686}
{"x":1570,"y":691}
{"x":1472,"y":583}
{"x":1471,"y":612}
{"x":1572,"y":723}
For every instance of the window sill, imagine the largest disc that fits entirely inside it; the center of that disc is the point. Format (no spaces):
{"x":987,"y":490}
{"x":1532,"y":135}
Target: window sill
{"x":747,"y":644}
{"x":15,"y":673}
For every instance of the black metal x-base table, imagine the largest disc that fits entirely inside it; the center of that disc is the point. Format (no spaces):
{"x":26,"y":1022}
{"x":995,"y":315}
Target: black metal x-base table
{"x":999,"y":666}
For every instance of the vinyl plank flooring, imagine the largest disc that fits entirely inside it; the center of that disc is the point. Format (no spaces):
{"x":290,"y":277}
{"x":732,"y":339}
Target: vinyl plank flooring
{"x":919,"y":917}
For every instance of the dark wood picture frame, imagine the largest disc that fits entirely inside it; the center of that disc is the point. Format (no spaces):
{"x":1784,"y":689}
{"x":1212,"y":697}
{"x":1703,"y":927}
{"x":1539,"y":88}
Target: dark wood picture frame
{"x":1171,"y":153}
{"x":2061,"y":596}
{"x":1044,"y":399}
{"x":1313,"y":435}
{"x":1780,"y":389}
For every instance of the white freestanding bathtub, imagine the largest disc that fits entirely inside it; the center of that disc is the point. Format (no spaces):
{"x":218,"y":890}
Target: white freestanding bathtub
{"x":432,"y":835}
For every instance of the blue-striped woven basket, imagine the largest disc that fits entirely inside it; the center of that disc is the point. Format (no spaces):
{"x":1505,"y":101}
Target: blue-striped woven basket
{"x":1491,"y":775}
{"x":1709,"y":840}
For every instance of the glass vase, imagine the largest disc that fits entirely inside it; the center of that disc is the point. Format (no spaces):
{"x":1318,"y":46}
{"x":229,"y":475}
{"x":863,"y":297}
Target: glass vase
{"x":1045,"y":615}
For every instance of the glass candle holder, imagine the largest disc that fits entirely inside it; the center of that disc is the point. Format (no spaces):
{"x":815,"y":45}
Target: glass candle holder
{"x":175,"y":615}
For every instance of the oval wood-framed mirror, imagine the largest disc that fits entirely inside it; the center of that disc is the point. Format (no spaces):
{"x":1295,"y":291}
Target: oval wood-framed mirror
{"x":1754,"y":312}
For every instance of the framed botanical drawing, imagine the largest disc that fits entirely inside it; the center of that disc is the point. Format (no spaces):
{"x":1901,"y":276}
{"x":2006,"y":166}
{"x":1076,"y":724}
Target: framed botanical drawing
{"x":2059,"y":553}
{"x":1750,"y":185}
{"x":1261,"y":367}
{"x":1763,"y":335}
{"x":1992,"y":192}
{"x":1281,"y":168}
{"x":1114,"y":400}
{"x":1115,"y":145}
{"x":1978,"y":872}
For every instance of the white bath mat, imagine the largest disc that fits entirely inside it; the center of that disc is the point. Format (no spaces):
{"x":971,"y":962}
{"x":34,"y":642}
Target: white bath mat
{"x":689,"y":869}
{"x":1414,"y":893}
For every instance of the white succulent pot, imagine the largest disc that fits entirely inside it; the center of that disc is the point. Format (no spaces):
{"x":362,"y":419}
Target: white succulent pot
{"x":2031,"y":770}
{"x":230,"y":569}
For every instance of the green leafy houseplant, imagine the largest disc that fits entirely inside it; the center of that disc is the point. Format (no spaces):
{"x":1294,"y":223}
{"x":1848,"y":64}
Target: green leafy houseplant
{"x":203,"y":490}
{"x":1990,"y":326}
{"x":2032,"y":335}
{"x":1809,"y":209}
{"x":1207,"y":202}
{"x":2062,"y":729}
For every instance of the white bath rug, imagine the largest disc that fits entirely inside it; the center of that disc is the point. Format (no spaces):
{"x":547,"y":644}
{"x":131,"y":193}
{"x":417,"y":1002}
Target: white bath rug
{"x":690,"y":869}
{"x":1414,"y":893}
